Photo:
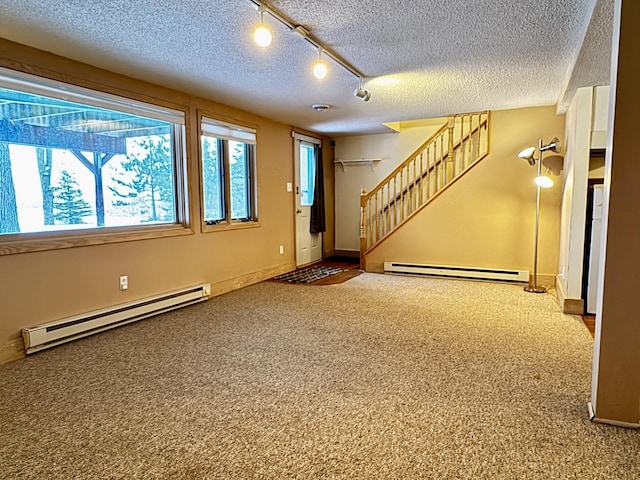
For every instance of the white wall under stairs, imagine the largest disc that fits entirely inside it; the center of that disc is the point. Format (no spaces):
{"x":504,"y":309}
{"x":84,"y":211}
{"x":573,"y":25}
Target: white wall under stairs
{"x":392,"y":148}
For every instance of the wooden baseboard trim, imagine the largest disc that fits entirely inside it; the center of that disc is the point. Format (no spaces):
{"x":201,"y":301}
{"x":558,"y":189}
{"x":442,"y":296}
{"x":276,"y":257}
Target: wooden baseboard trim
{"x":605,"y":421}
{"x":236,"y":283}
{"x":573,"y":306}
{"x":346,"y":253}
{"x":547,"y":281}
{"x":570,"y":306}
{"x":616,"y":423}
{"x":12,"y":350}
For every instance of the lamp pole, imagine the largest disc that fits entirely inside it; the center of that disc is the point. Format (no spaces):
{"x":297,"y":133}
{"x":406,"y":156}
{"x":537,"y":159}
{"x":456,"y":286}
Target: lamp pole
{"x":533,"y":287}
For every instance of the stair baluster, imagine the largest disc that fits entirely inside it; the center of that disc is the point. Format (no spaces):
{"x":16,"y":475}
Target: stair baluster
{"x":446,"y":155}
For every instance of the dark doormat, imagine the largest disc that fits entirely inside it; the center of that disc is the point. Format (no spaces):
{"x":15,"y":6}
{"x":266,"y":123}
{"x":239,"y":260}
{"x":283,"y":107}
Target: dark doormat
{"x":309,"y":274}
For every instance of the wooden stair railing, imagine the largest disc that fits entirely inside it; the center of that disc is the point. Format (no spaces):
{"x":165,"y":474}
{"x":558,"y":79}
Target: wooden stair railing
{"x":448,"y":153}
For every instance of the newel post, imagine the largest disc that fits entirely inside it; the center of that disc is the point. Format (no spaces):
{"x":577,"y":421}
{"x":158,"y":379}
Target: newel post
{"x":363,"y":227}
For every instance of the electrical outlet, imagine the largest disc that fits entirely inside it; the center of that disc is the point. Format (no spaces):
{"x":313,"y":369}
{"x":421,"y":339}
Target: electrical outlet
{"x":281,"y":249}
{"x":124,"y":282}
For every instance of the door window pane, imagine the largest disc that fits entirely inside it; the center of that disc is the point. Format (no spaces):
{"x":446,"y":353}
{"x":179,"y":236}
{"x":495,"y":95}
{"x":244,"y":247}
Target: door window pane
{"x":307,"y":174}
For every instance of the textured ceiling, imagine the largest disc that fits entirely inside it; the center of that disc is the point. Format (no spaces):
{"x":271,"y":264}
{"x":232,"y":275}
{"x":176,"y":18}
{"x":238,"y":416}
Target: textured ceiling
{"x":422,"y":59}
{"x":593,"y":63}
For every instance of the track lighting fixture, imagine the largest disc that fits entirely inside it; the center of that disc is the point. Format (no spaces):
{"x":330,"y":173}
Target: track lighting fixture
{"x":320,"y":67}
{"x":262,"y":35}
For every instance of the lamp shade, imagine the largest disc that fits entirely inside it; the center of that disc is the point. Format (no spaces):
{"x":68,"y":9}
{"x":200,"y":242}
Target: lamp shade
{"x":527,"y":154}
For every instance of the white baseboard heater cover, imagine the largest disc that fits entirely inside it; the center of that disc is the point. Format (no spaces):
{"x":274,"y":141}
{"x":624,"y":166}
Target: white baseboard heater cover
{"x":475,"y":273}
{"x":61,"y":331}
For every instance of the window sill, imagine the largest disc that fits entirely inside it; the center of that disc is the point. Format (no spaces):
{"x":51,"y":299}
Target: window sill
{"x":38,"y":242}
{"x":229,"y":226}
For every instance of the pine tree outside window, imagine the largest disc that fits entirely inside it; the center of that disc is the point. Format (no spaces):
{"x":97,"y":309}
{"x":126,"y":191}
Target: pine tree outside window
{"x":228,"y":173}
{"x":77,"y":159}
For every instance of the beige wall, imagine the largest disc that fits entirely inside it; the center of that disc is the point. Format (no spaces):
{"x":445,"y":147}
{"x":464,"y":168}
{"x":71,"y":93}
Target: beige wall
{"x":487,"y":218}
{"x":43,"y":286}
{"x":392,"y":149}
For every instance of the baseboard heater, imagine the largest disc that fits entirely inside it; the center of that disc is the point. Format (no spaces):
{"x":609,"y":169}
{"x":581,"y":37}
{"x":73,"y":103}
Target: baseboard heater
{"x":61,"y":331}
{"x":474,"y":273}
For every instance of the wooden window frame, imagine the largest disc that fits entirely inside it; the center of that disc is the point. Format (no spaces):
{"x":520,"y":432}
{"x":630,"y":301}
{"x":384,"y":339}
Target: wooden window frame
{"x":227,"y":222}
{"x":16,"y":243}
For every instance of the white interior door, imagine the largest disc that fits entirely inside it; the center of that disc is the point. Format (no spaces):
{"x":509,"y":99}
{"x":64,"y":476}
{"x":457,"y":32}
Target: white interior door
{"x":308,"y":245}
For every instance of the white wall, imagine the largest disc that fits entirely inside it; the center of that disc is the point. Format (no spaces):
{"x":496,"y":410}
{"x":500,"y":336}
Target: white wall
{"x":574,"y":200}
{"x":586,"y":126}
{"x":392,"y":148}
{"x":600,"y":117}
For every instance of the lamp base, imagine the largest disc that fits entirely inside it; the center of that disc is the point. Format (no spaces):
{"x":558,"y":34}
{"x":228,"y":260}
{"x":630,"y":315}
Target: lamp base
{"x":531,"y":289}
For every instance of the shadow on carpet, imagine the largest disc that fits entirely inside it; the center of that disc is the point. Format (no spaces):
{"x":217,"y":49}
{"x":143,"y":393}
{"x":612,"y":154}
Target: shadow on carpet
{"x":309,"y":274}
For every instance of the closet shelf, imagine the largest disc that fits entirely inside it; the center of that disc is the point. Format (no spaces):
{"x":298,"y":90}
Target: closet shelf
{"x":358,"y":162}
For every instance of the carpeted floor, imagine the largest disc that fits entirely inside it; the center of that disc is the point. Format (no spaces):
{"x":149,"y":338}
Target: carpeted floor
{"x":381,"y":377}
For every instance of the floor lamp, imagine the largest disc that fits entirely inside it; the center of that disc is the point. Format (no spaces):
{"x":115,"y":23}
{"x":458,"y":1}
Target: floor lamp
{"x":541,"y":181}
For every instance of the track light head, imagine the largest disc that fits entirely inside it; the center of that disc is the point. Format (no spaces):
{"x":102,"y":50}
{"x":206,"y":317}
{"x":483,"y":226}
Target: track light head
{"x":362,"y":94}
{"x":262,"y":35}
{"x":320,"y":67}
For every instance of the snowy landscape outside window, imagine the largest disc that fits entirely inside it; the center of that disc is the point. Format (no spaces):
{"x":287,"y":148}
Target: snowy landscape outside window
{"x":228,"y":166}
{"x":73,"y":159}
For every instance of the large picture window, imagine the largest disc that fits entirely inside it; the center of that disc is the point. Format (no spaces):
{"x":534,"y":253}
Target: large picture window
{"x":73,"y":159}
{"x":228,"y":173}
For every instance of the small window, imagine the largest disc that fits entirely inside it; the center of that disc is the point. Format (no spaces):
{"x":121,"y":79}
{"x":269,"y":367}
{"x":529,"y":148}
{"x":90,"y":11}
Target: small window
{"x":228,"y":173}
{"x":74,"y":159}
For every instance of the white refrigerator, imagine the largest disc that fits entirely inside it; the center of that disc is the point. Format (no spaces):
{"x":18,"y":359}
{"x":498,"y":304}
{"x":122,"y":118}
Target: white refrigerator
{"x":594,"y":252}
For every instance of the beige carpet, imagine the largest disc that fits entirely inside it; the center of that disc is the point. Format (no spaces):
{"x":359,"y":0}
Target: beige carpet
{"x":381,"y":377}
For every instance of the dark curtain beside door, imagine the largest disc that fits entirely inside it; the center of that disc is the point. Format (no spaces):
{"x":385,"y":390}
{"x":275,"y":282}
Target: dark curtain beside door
{"x":318,"y":222}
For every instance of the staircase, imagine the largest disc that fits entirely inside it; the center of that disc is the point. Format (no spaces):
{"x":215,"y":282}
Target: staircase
{"x":450,"y":152}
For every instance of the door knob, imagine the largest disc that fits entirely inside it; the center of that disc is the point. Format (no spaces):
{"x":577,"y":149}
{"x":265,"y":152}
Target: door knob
{"x":298,"y":211}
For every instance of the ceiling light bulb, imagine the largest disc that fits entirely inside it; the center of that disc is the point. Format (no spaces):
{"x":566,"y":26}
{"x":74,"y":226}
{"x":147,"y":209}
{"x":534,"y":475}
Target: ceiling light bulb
{"x":543,"y":181}
{"x":320,"y":69}
{"x":262,"y":36}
